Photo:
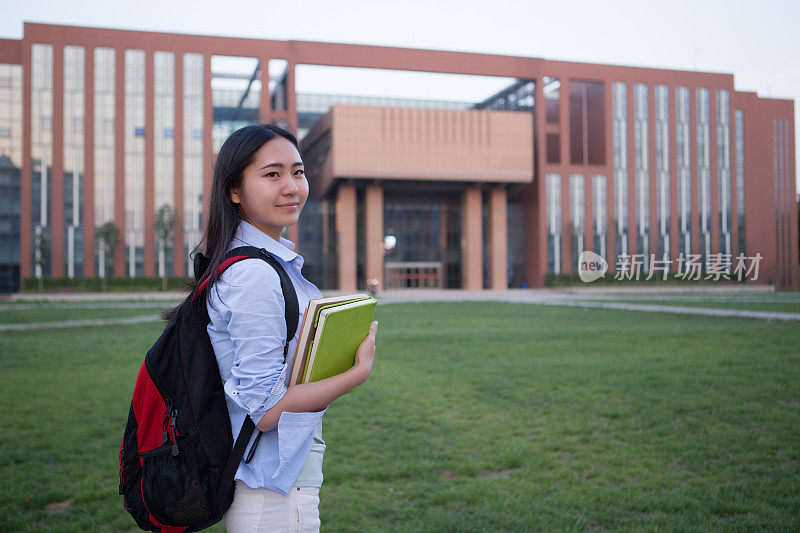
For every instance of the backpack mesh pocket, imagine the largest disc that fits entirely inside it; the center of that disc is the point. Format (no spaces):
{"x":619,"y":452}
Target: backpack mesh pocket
{"x":172,"y":488}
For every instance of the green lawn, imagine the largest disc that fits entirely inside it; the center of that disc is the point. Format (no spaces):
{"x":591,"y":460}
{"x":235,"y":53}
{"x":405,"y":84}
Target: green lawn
{"x":776,"y":307}
{"x":478,"y":417}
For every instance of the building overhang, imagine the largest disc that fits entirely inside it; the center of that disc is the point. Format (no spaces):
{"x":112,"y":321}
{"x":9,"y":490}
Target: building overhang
{"x":385,"y":143}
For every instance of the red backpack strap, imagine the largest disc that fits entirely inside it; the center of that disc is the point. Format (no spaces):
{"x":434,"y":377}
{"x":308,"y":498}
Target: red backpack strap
{"x":234,"y":256}
{"x":287,"y":288}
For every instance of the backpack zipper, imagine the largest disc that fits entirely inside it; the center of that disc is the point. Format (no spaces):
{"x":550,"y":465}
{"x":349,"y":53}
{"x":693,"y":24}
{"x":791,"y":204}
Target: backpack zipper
{"x":171,"y":433}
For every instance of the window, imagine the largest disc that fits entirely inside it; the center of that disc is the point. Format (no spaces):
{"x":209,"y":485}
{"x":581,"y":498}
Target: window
{"x":587,"y":136}
{"x":724,"y":170}
{"x":552,"y":97}
{"x":599,"y":199}
{"x":703,"y":173}
{"x":683,"y":155}
{"x":553,"y":193}
{"x":134,"y":161}
{"x":740,"y":181}
{"x":192,"y":154}
{"x":577,"y":216}
{"x":553,"y":148}
{"x":641,"y":147}
{"x":73,"y":158}
{"x":662,"y":170}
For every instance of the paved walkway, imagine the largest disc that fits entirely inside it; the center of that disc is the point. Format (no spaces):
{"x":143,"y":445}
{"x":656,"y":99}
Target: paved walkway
{"x":578,"y":298}
{"x":587,"y":297}
{"x":27,"y":326}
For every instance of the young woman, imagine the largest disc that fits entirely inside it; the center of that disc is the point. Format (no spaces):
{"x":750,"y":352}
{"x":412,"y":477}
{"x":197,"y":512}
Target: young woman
{"x":259,"y":187}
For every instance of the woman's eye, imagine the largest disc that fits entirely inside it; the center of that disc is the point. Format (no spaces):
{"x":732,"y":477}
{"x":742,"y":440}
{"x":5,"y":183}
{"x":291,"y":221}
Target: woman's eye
{"x":299,"y":172}
{"x":273,"y":175}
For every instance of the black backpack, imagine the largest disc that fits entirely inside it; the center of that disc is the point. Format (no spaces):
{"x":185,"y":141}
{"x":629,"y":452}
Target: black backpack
{"x":177,"y":459}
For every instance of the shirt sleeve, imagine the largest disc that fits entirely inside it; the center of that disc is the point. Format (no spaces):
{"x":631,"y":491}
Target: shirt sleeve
{"x":254,"y":313}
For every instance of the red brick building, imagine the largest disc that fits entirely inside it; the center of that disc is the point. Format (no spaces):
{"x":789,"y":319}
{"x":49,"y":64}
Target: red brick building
{"x":100,"y":125}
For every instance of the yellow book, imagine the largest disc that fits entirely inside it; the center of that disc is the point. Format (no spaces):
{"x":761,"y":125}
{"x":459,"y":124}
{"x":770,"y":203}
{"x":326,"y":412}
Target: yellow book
{"x":308,"y":329}
{"x":340,"y":329}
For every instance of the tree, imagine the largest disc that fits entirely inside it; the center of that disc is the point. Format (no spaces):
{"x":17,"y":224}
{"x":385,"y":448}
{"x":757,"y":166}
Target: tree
{"x":41,"y":251}
{"x":107,"y":237}
{"x":164,"y":224}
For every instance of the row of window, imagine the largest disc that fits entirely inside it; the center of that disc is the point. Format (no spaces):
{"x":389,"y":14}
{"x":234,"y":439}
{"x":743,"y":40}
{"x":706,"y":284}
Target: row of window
{"x":640,"y":181}
{"x":575,"y":229}
{"x":105,"y":180}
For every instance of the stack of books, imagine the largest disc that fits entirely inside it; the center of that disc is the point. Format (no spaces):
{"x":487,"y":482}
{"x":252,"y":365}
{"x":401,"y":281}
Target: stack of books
{"x":331,"y":332}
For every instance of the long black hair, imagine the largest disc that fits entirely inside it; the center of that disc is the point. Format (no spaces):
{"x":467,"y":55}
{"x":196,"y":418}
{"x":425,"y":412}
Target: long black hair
{"x":237,"y":152}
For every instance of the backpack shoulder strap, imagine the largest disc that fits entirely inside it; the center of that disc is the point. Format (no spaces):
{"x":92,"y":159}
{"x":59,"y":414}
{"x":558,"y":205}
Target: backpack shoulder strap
{"x":292,"y":316}
{"x":291,"y":304}
{"x":287,"y":287}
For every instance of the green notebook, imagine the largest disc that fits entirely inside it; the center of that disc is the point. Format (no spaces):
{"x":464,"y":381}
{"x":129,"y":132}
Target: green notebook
{"x":340,"y":331}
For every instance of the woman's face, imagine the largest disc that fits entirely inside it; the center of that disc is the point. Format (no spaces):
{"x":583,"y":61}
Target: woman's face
{"x":274,"y":188}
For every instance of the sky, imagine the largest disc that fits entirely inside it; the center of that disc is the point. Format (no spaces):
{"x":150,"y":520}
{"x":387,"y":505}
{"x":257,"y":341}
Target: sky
{"x":753,"y":41}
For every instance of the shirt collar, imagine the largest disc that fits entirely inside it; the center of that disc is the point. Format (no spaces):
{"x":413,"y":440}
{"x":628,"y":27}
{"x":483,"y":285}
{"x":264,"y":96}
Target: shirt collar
{"x":247,"y":234}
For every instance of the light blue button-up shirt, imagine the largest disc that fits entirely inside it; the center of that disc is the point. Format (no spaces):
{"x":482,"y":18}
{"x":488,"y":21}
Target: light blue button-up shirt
{"x":248,"y":332}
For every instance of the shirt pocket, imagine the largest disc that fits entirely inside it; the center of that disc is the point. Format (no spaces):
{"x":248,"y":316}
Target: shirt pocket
{"x":294,"y":434}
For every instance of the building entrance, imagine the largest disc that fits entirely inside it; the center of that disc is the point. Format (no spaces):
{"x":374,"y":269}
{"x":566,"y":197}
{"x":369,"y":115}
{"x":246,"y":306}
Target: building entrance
{"x":423,"y":240}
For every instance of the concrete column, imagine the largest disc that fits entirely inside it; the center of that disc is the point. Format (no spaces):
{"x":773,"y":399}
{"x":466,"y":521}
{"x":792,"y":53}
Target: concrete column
{"x":498,"y":239}
{"x":346,"y":236}
{"x":374,"y":233}
{"x":472,"y":238}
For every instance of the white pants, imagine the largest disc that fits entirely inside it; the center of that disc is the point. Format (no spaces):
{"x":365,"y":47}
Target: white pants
{"x":262,"y":510}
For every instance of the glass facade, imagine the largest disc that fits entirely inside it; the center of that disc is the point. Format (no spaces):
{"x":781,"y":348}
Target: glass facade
{"x":235,"y":95}
{"x":703,"y":174}
{"x":724,"y":169}
{"x":41,"y":154}
{"x":427,"y":232}
{"x":104,"y":138}
{"x":577,"y":213}
{"x":641,"y":148}
{"x":683,"y":154}
{"x":599,"y":199}
{"x":10,"y":165}
{"x":662,"y":171}
{"x":553,"y":194}
{"x":620,"y":107}
{"x":742,"y":247}
{"x":74,"y":64}
{"x":134,"y":162}
{"x":417,"y":227}
{"x":192,"y":155}
{"x":164,"y":144}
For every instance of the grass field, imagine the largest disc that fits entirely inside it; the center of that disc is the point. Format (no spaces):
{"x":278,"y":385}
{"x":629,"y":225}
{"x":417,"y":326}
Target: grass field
{"x":477,"y":417}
